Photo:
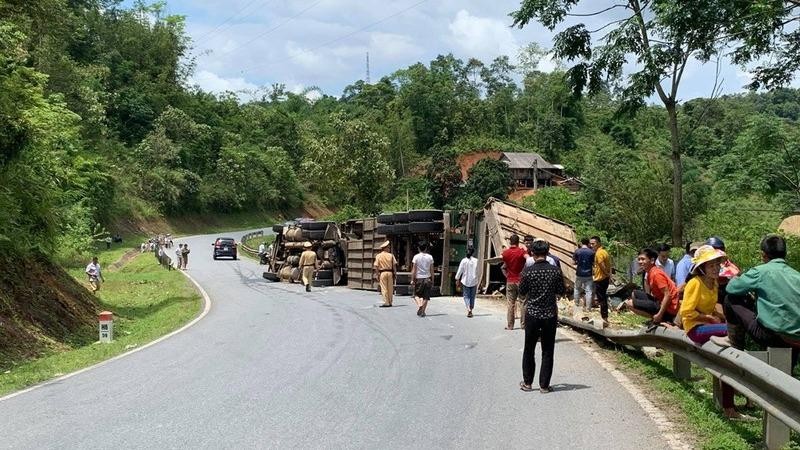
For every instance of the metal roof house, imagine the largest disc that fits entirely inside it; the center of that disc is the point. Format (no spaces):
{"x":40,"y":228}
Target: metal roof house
{"x":530,"y":170}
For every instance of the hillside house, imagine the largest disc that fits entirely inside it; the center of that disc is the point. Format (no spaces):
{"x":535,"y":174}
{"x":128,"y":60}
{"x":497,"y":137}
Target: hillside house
{"x":530,"y":170}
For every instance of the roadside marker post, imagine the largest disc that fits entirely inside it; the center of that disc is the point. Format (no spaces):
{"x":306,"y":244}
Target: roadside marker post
{"x":106,"y":319}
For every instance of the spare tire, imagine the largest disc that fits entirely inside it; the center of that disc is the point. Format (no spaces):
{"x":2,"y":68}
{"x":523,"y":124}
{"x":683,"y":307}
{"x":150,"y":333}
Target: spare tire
{"x":425,"y":215}
{"x":385,"y":219}
{"x":271,"y":276}
{"x":425,"y":227}
{"x":316,"y":225}
{"x":400,"y":217}
{"x":385,"y":229}
{"x":277,"y":228}
{"x":324,"y":274}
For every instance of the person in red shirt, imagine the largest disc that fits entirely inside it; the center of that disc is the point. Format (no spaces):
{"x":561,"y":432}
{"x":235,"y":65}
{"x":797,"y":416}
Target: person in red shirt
{"x":659,"y":300}
{"x":513,"y":262}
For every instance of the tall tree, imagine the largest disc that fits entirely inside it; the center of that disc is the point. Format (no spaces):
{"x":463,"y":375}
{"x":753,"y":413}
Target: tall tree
{"x":661,"y":36}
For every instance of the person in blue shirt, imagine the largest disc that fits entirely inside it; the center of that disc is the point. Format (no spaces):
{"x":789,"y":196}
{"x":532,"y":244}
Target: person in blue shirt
{"x":685,"y":264}
{"x":584,"y":262}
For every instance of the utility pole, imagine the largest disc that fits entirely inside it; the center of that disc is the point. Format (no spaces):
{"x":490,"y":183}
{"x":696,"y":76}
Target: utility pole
{"x":367,"y":68}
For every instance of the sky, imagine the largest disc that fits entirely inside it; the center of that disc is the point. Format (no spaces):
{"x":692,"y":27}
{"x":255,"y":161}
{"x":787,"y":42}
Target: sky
{"x":245,"y":45}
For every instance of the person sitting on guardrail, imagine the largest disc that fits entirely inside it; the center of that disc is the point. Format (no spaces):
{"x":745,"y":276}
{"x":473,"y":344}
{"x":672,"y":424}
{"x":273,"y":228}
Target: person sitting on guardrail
{"x":775,"y":321}
{"x":701,"y":321}
{"x":659,"y":299}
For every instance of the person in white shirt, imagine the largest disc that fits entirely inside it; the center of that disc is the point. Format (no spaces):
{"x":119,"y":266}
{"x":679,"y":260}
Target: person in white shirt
{"x":422,"y":270}
{"x":95,"y":275}
{"x":467,"y":278}
{"x":178,"y":257}
{"x":664,"y":262}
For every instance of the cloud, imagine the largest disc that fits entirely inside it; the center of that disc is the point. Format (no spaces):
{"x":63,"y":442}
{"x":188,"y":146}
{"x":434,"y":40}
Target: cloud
{"x":394,"y":46}
{"x":211,"y":82}
{"x":483,"y":37}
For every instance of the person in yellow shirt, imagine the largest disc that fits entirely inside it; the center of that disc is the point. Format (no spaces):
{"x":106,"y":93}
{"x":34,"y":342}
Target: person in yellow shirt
{"x":601,"y":274}
{"x":385,"y":268}
{"x":698,"y":310}
{"x":308,"y":264}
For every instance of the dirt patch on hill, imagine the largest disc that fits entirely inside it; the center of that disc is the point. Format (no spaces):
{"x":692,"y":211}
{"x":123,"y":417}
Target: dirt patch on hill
{"x":41,"y":308}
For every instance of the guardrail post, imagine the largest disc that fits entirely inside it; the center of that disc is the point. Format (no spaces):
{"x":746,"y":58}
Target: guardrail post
{"x":776,"y":433}
{"x":681,"y":367}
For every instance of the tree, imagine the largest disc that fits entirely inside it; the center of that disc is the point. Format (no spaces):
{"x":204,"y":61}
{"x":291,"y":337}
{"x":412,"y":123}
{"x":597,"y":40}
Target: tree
{"x":662,"y":36}
{"x":444,"y":177}
{"x":487,"y":178}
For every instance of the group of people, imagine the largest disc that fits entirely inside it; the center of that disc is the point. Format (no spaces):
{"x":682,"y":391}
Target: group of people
{"x":156,"y":242}
{"x":708,"y":296}
{"x":264,"y":253}
{"x":422,"y":275}
{"x":181,"y":256}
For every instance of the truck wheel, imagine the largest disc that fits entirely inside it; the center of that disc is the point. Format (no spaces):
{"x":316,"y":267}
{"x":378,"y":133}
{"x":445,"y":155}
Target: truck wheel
{"x":425,"y":215}
{"x":385,"y":229}
{"x":400,"y":228}
{"x":322,"y":283}
{"x":425,"y":227}
{"x":277,"y":228}
{"x":325,"y":274}
{"x":400,"y":217}
{"x":315,"y":226}
{"x":385,"y":219}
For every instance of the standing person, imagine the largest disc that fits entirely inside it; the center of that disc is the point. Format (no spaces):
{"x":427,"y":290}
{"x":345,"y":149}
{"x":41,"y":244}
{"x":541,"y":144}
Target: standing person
{"x":540,"y":285}
{"x":584,"y":265}
{"x":698,"y":310}
{"x":664,"y":262}
{"x":178,"y":257}
{"x":659,"y":300}
{"x":683,"y":267}
{"x":467,"y":278}
{"x":513,"y":262}
{"x":262,"y":249}
{"x":185,"y":255}
{"x":775,"y":319}
{"x":95,"y":275}
{"x":601,"y":275}
{"x":422,"y":270}
{"x":385,"y":269}
{"x":108,"y":241}
{"x":308,"y":264}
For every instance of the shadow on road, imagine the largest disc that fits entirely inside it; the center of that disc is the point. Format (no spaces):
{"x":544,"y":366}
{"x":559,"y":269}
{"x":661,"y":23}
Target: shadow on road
{"x":568,"y":387}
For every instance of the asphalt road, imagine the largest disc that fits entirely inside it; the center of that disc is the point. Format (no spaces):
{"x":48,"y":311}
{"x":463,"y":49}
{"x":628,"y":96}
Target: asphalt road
{"x":274,"y":367}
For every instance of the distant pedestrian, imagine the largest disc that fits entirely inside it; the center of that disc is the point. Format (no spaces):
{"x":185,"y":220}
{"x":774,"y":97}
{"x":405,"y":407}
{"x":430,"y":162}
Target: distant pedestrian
{"x":108,"y":242}
{"x":185,"y":256}
{"x":601,"y":274}
{"x":142,"y":247}
{"x":584,"y":264}
{"x":422,"y":270}
{"x":540,"y":285}
{"x":95,"y":275}
{"x":385,"y":269}
{"x":178,"y":257}
{"x":664,"y":262}
{"x":467,"y":278}
{"x":308,"y":264}
{"x":262,"y":249}
{"x":514,"y":259}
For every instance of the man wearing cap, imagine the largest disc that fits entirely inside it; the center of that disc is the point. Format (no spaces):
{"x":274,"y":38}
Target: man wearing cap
{"x":659,"y":300}
{"x":308,"y":264}
{"x":514,"y":259}
{"x":776,"y":320}
{"x":385,"y":269}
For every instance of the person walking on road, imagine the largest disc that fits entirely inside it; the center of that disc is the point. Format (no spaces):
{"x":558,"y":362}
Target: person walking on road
{"x":185,"y":255}
{"x":422,"y":270}
{"x":540,"y":285}
{"x":95,"y":275}
{"x":601,"y":274}
{"x":308,"y":264}
{"x":467,"y":278}
{"x":513,"y":262}
{"x":385,"y":269}
{"x":584,"y":264}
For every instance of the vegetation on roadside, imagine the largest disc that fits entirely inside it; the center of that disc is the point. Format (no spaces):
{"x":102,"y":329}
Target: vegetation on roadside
{"x":147,"y":301}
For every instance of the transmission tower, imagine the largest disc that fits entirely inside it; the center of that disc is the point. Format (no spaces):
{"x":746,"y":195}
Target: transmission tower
{"x":367,"y":67}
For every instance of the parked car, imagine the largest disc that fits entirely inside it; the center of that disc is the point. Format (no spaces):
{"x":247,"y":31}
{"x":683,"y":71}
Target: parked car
{"x":225,"y":246}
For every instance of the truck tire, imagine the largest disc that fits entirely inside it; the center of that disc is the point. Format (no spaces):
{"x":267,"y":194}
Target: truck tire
{"x":271,"y":276}
{"x":277,"y":228}
{"x":400,"y":228}
{"x":314,"y":235}
{"x":425,"y":227}
{"x":403,"y":290}
{"x":314,"y":226}
{"x":385,"y":219}
{"x":385,"y":229}
{"x":402,"y":278}
{"x":325,"y":274}
{"x":321,"y":283}
{"x":436,"y":291}
{"x":400,"y":217}
{"x":425,"y":215}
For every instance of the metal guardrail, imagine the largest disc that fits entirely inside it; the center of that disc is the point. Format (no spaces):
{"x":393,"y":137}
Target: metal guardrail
{"x":775,"y":391}
{"x":250,"y":251}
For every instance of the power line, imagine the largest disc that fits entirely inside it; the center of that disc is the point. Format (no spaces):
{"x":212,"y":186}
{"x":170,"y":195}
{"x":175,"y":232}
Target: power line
{"x":260,"y":35}
{"x":340,"y":38}
{"x":221,"y":26}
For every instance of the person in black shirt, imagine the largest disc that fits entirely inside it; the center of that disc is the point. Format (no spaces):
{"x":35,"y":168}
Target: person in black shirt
{"x":541,"y":284}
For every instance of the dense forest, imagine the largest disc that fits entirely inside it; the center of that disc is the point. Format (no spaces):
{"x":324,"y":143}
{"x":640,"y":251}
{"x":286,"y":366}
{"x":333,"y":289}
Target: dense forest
{"x":98,"y":123}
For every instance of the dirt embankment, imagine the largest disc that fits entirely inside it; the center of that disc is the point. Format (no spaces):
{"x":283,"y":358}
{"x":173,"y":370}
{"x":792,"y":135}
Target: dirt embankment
{"x":41,"y":308}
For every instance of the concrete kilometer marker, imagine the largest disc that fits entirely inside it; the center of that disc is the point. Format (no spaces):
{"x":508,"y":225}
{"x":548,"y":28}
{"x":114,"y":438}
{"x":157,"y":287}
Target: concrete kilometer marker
{"x":106,"y":319}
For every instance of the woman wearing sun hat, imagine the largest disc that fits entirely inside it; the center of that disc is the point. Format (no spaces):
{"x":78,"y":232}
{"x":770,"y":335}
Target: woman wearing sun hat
{"x":700,"y":319}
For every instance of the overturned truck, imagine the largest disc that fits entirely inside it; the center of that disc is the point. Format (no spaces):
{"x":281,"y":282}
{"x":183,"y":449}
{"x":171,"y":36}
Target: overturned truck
{"x":326,"y":241}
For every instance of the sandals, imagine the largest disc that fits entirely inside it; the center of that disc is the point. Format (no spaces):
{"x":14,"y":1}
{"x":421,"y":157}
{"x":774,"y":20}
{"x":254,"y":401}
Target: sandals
{"x":469,"y":314}
{"x":525,"y":387}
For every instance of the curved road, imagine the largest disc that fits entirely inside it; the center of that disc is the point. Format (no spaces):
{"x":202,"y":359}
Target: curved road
{"x":274,"y":367}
